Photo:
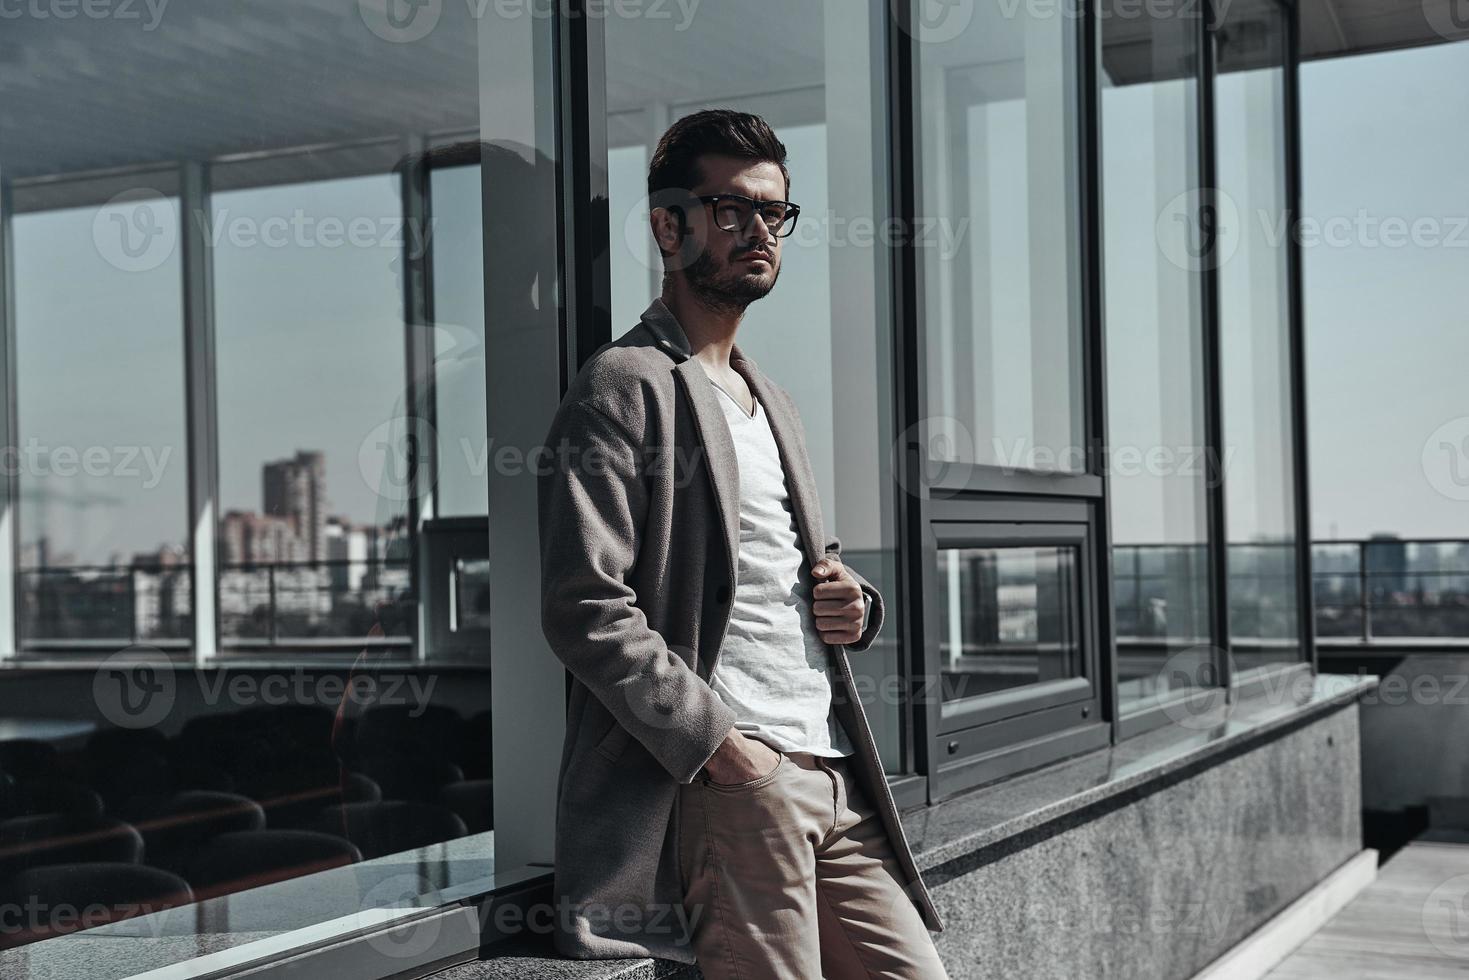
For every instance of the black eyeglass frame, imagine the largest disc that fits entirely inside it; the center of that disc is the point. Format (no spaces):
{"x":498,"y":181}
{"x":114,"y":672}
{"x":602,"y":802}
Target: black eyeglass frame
{"x":784,"y":230}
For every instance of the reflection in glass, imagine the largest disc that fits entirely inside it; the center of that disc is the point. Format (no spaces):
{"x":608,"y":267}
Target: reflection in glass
{"x":1155,"y":343}
{"x":289,"y":785}
{"x":1007,"y":618}
{"x":1255,"y":337}
{"x":998,"y":246}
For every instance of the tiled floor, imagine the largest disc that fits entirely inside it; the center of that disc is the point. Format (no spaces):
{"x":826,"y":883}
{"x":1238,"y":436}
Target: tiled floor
{"x":1411,"y":924}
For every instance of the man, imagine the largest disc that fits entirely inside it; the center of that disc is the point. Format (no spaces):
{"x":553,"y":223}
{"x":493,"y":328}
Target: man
{"x":720,"y":796}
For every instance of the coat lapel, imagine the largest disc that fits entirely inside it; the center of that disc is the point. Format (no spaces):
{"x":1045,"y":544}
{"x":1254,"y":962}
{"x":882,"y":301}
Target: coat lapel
{"x":723,"y":463}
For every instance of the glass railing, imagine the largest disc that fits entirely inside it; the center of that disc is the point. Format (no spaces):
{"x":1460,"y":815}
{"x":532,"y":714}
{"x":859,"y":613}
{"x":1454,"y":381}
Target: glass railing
{"x":308,"y":603}
{"x":329,"y":603}
{"x":1392,"y":590}
{"x":1382,"y":590}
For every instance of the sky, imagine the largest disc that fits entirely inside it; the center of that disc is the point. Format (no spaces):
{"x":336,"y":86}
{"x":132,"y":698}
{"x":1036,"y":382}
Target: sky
{"x":1387,"y":326}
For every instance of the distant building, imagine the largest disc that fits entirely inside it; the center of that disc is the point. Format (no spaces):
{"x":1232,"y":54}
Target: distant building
{"x":1387,"y":564}
{"x":295,"y":489}
{"x":349,"y":549}
{"x":248,"y":538}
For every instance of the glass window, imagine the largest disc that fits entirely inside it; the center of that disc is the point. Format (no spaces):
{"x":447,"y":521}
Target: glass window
{"x":825,"y":332}
{"x":1155,"y":345}
{"x":1255,"y":335}
{"x":103,"y":481}
{"x":458,"y":323}
{"x":1007,"y":618}
{"x":998,"y":236}
{"x":250,"y":321}
{"x":310,"y":343}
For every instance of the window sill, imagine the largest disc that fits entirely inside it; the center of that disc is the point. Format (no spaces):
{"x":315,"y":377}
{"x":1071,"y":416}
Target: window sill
{"x":259,"y":926}
{"x":966,"y":831}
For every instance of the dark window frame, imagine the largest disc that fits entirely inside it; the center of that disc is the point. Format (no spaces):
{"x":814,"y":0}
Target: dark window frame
{"x":1025,"y":728}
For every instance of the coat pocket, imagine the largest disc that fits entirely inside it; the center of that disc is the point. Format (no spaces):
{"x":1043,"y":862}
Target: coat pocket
{"x":610,"y":745}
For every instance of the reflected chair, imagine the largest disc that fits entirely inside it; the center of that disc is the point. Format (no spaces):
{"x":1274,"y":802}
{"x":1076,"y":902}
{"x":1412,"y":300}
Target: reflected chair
{"x":250,"y":858}
{"x":25,"y":758}
{"x":174,"y":829}
{"x":129,"y":782}
{"x":474,"y":801}
{"x":35,"y":797}
{"x":392,"y":826}
{"x":474,"y":751}
{"x":98,"y":892}
{"x":29,"y":842}
{"x":407,"y":777}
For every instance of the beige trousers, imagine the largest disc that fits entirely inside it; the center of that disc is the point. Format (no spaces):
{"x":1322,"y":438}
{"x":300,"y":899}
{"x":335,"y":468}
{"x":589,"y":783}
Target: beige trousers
{"x":792,"y":877}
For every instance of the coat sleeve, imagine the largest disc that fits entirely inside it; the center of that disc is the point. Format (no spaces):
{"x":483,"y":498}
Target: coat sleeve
{"x":592,"y":502}
{"x":873,"y":614}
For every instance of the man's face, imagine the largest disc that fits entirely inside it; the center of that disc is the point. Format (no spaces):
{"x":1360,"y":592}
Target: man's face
{"x":732,"y":269}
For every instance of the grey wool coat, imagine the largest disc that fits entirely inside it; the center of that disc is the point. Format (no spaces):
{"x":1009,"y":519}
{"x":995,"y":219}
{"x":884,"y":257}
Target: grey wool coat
{"x":639,"y":532}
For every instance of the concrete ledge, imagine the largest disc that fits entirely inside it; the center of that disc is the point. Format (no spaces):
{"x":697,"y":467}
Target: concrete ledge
{"x":1160,"y":881}
{"x":541,"y":962}
{"x":949,"y":838}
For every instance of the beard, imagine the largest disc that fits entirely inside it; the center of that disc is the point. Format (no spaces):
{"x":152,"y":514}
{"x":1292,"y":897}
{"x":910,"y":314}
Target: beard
{"x":722,"y":287}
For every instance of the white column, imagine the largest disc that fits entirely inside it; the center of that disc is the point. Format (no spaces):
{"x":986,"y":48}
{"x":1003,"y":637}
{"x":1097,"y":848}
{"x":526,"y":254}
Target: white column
{"x":199,"y":387}
{"x":522,"y":391}
{"x":9,"y":478}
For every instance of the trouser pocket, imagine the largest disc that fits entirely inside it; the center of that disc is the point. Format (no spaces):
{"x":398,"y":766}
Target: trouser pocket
{"x":748,"y":784}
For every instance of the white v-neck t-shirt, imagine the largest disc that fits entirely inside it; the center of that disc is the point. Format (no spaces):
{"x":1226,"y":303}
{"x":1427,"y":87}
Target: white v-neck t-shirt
{"x":774,"y":669}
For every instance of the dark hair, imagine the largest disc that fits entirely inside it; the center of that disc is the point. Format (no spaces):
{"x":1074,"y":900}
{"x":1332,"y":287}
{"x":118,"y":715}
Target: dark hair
{"x":675,"y":164}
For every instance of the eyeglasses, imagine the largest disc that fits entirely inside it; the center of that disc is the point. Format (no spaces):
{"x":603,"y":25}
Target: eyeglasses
{"x":735,"y":212}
